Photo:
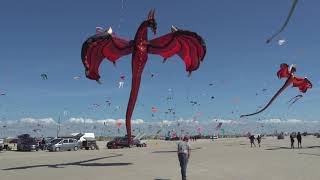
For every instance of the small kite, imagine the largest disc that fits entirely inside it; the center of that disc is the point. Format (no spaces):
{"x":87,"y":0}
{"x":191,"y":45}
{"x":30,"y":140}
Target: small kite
{"x":121,"y":81}
{"x":186,"y":44}
{"x":199,"y":129}
{"x":118,"y":124}
{"x":294,"y":100}
{"x":218,"y":126}
{"x":76,"y":77}
{"x":293,"y":6}
{"x":154,"y":110}
{"x":281,"y":42}
{"x":44,"y":76}
{"x":194,"y":103}
{"x":108,"y":102}
{"x":287,"y":72}
{"x":212,"y":97}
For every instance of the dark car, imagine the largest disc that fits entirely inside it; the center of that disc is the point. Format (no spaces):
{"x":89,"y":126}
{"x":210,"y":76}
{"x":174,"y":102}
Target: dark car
{"x":27,"y":143}
{"x":122,"y":142}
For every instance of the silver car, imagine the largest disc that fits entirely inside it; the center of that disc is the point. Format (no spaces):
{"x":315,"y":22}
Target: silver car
{"x":64,"y":144}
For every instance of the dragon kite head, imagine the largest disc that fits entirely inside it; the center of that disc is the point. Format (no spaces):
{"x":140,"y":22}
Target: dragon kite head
{"x":292,"y":68}
{"x":151,"y":21}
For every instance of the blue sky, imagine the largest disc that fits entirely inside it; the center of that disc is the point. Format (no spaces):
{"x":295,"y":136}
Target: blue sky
{"x":46,"y":37}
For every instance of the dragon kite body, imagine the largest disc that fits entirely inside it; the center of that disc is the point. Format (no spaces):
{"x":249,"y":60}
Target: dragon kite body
{"x":189,"y":46}
{"x":287,"y":72}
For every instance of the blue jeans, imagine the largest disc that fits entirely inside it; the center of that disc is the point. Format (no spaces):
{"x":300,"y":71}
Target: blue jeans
{"x":183,"y":159}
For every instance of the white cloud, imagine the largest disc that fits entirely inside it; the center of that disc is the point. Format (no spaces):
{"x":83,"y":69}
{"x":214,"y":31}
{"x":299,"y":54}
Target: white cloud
{"x":28,"y":120}
{"x":165,"y":122}
{"x":227,"y":121}
{"x":80,"y":120}
{"x":103,"y":121}
{"x":293,"y":121}
{"x":47,"y":120}
{"x":289,"y":121}
{"x":137,"y":121}
{"x":271,"y":121}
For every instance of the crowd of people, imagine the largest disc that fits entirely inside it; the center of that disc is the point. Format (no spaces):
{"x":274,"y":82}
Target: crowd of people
{"x":292,"y":137}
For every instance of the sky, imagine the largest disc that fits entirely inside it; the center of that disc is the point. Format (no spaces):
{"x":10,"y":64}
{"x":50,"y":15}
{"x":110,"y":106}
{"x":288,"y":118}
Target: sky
{"x":39,"y":37}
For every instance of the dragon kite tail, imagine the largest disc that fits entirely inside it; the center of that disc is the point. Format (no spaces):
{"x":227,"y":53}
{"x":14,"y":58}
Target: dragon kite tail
{"x":286,"y":84}
{"x":136,"y":79}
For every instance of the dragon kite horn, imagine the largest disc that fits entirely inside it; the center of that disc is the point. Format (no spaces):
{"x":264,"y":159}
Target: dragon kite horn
{"x":173,"y":28}
{"x":292,"y":67}
{"x":151,"y":14}
{"x":109,"y":30}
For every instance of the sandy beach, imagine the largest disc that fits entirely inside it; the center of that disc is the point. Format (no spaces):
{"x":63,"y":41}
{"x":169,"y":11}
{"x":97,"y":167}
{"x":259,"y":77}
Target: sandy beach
{"x":222,"y":159}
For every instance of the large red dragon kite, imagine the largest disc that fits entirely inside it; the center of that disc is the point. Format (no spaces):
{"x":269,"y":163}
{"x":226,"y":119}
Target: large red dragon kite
{"x":287,"y":72}
{"x":189,"y":46}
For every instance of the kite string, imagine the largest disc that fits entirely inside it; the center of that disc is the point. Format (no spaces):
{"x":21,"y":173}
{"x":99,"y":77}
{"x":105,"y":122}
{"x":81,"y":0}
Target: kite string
{"x":121,"y":15}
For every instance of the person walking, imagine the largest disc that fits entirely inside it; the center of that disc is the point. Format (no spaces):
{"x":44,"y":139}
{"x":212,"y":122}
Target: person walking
{"x":184,"y":152}
{"x":299,"y":138}
{"x":252,"y":140}
{"x":259,"y":140}
{"x":292,"y":141}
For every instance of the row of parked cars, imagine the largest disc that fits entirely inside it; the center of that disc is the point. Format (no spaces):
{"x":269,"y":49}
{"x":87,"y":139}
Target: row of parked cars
{"x":122,"y":142}
{"x":73,"y":143}
{"x":27,"y":143}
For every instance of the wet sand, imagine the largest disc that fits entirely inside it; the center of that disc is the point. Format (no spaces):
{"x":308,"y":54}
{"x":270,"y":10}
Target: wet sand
{"x":222,"y":159}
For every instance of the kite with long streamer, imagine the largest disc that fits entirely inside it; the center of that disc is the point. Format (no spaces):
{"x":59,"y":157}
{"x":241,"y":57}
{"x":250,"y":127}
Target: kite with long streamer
{"x":293,"y":6}
{"x":287,"y":72}
{"x":189,"y":46}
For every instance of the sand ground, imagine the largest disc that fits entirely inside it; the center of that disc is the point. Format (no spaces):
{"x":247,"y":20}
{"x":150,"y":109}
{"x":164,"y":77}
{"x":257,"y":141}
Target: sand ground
{"x":223,"y":159}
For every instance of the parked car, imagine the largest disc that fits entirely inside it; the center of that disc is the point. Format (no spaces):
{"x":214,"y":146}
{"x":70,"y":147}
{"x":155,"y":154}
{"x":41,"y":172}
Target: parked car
{"x":27,"y":143}
{"x":121,"y":142}
{"x":1,"y":144}
{"x":63,"y":144}
{"x":89,"y":143}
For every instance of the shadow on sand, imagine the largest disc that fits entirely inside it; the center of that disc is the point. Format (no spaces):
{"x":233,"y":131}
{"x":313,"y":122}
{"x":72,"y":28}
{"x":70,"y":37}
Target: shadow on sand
{"x":78,"y":163}
{"x":170,"y":151}
{"x":310,"y":154}
{"x":307,"y":147}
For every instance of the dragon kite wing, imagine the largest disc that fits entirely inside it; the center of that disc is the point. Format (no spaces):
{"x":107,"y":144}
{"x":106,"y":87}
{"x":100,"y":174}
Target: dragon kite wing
{"x":302,"y":83}
{"x":100,"y":46}
{"x":284,"y":71}
{"x":293,"y":6}
{"x":188,"y":45}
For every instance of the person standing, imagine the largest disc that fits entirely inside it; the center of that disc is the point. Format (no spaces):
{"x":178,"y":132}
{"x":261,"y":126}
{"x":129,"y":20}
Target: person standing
{"x":184,"y":151}
{"x":251,"y":137}
{"x":292,"y":141}
{"x":299,"y":138}
{"x":259,"y":140}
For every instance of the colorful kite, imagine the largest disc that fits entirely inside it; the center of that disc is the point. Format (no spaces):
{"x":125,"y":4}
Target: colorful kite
{"x":121,"y":81}
{"x":293,"y":6}
{"x":287,"y":72}
{"x":76,"y":77}
{"x":189,"y":46}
